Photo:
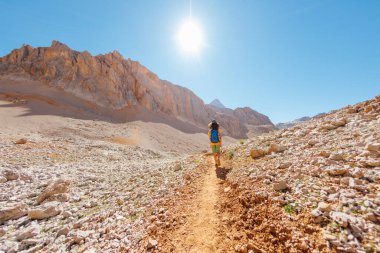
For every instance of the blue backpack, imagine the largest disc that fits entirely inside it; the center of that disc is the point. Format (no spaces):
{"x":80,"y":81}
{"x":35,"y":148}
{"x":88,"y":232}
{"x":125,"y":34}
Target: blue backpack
{"x":214,"y":136}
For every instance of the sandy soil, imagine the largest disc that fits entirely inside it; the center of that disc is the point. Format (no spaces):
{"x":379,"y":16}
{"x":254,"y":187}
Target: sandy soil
{"x":24,"y":115}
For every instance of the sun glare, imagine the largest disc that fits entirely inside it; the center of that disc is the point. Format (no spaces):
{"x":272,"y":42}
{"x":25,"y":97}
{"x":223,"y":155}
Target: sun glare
{"x":190,"y":37}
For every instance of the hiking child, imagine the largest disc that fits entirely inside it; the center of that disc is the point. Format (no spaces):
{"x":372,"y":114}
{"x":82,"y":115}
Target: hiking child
{"x":215,"y":135}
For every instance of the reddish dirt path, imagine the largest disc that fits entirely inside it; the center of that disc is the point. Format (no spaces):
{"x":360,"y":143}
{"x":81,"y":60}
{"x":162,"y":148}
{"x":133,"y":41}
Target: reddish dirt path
{"x":214,"y":213}
{"x":199,"y":234}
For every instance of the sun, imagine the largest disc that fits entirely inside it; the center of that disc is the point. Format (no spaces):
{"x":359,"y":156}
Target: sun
{"x":190,"y":37}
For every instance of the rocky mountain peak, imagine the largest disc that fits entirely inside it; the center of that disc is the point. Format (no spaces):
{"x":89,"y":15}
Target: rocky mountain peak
{"x":217,"y":103}
{"x":59,"y":45}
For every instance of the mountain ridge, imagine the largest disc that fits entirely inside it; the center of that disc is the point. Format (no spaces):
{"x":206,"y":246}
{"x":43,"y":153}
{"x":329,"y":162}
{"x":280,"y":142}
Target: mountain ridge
{"x":111,"y":81}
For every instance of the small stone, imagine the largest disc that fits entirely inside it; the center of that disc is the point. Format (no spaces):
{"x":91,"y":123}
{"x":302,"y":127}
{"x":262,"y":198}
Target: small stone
{"x":64,"y":231}
{"x":11,"y":175}
{"x":324,"y":207}
{"x":280,"y":185}
{"x":177,"y":166}
{"x":29,"y":243}
{"x":340,"y":218}
{"x":3,"y":179}
{"x":120,"y":201}
{"x":373,"y":162}
{"x":227,"y":189}
{"x":345,"y":181}
{"x":323,"y":153}
{"x":21,"y":141}
{"x":78,"y":237}
{"x":336,"y":157}
{"x":254,"y":248}
{"x":357,"y":173}
{"x":275,"y":148}
{"x":317,"y":215}
{"x":284,"y":165}
{"x":67,"y":214}
{"x":2,"y":231}
{"x":151,"y":244}
{"x":244,"y":249}
{"x":370,"y":217}
{"x":29,"y":232}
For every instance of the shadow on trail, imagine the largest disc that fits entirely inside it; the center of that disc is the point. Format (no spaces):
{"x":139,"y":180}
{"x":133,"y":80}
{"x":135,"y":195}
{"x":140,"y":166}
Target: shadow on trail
{"x":221,"y":172}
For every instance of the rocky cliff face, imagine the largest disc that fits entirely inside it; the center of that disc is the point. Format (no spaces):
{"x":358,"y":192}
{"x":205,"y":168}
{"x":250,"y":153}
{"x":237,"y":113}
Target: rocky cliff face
{"x":113,"y":82}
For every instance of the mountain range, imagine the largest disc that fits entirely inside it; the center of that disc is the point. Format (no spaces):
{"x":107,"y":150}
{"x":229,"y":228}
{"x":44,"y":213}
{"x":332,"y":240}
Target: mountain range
{"x":118,"y":89}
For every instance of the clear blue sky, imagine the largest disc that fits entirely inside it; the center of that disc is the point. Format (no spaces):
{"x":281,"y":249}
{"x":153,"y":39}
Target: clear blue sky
{"x":284,"y":58}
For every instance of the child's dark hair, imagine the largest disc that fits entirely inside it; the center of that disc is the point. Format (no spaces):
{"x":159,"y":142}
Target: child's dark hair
{"x":214,"y":125}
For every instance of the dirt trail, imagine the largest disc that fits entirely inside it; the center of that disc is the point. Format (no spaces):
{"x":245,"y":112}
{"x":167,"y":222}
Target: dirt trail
{"x":199,"y":234}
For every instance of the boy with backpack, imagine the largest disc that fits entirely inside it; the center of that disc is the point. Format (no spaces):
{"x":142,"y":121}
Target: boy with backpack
{"x":215,"y":135}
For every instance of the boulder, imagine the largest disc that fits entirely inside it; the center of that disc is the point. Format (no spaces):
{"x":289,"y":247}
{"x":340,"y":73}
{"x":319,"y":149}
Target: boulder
{"x":375,"y":147}
{"x":331,"y":125}
{"x":14,"y":212}
{"x":340,"y":122}
{"x":257,"y":153}
{"x":49,"y":210}
{"x":56,"y":187}
{"x":337,"y":171}
{"x":275,"y":148}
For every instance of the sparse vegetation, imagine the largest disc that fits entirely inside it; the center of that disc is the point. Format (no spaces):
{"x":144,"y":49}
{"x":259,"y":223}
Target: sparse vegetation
{"x":289,"y":209}
{"x":231,"y":154}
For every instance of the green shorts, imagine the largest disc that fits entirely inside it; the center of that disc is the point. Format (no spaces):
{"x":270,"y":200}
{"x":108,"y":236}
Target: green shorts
{"x":215,"y":149}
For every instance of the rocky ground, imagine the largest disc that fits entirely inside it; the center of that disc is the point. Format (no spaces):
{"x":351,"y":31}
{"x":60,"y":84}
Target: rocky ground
{"x":81,"y":185}
{"x":61,"y":194}
{"x":310,"y":188}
